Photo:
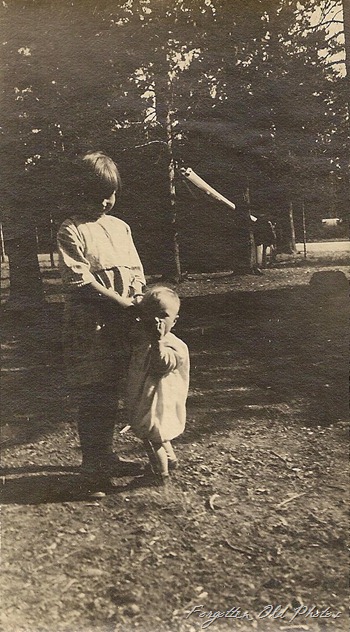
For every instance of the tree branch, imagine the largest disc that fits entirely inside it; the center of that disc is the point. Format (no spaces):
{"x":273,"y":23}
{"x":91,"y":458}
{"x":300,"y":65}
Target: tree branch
{"x":320,"y":24}
{"x":334,"y":36}
{"x":151,"y":142}
{"x":328,"y":8}
{"x":335,"y":62}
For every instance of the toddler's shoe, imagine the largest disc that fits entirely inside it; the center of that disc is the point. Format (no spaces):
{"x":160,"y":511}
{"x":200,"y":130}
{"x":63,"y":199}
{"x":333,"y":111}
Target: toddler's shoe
{"x":155,"y":476}
{"x":163,"y":480}
{"x":151,"y":470}
{"x":173,"y":464}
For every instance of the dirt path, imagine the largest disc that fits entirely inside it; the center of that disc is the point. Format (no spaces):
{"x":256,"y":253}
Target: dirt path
{"x":255,"y":516}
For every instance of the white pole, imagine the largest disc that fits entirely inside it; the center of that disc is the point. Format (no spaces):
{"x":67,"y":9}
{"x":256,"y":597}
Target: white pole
{"x":201,"y":184}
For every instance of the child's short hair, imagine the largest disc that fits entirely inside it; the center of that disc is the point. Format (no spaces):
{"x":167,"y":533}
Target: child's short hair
{"x":98,"y":176}
{"x":160,"y":293}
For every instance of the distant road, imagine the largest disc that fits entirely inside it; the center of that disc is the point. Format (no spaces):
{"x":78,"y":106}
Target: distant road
{"x":325,"y":246}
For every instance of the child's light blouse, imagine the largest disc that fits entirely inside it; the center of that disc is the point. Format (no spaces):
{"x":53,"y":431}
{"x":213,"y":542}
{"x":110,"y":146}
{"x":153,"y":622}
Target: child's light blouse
{"x":87,"y":248}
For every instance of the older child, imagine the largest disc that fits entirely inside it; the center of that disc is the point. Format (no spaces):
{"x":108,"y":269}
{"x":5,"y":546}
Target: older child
{"x":102,"y":274}
{"x":158,"y":380}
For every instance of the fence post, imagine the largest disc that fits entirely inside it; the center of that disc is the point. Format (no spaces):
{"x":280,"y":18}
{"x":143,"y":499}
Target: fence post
{"x":304,"y":228}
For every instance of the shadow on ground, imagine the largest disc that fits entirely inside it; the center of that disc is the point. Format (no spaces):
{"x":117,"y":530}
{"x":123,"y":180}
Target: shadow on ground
{"x":261,"y":353}
{"x":34,"y":485}
{"x":252,"y":354}
{"x":43,"y":488}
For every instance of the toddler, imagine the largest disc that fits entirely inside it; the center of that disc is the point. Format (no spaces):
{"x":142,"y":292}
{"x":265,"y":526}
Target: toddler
{"x":159,"y":380}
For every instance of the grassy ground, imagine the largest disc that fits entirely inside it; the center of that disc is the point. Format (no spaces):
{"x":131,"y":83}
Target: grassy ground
{"x":254,"y":517}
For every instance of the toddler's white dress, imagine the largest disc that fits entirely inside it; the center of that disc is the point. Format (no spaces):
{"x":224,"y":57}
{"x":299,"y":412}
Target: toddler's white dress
{"x":158,"y":388}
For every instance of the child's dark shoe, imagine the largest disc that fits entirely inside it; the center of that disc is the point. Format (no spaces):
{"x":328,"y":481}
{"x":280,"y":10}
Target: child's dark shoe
{"x":116,"y":466}
{"x":173,"y":464}
{"x":95,"y":483}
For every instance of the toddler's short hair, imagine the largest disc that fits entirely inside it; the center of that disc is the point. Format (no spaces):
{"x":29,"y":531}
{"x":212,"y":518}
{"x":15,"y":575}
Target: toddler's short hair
{"x":160,"y":293}
{"x":98,"y":176}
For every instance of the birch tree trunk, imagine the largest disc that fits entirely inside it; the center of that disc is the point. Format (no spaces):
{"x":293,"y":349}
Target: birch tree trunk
{"x":346,"y":16}
{"x":292,"y":241}
{"x":172,"y":269}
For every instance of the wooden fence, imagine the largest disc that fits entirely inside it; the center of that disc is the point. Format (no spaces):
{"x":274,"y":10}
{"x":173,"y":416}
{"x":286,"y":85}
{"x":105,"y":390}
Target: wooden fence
{"x":45,"y":241}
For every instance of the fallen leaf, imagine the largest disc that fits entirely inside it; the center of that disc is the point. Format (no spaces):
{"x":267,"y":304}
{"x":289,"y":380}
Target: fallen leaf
{"x":93,"y":572}
{"x":211,"y":501}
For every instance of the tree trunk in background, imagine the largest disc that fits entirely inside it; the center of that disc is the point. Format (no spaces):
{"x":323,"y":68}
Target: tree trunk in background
{"x":346,"y":17}
{"x":26,"y":288}
{"x":292,"y":241}
{"x":174,"y":262}
{"x":346,"y":13}
{"x":304,"y":229}
{"x":253,"y":260}
{"x":172,"y":265}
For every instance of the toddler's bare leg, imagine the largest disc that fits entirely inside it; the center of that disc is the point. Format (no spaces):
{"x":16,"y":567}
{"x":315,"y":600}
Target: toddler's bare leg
{"x":169,"y":450}
{"x":162,"y":459}
{"x":172,"y":458}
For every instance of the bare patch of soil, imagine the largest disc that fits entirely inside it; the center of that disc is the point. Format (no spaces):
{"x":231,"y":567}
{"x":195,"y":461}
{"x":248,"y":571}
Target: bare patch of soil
{"x":255,"y":515}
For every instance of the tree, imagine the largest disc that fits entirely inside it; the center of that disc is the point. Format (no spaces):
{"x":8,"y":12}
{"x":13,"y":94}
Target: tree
{"x":346,"y":14}
{"x":287,"y":79}
{"x":228,"y":87}
{"x":41,"y":113}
